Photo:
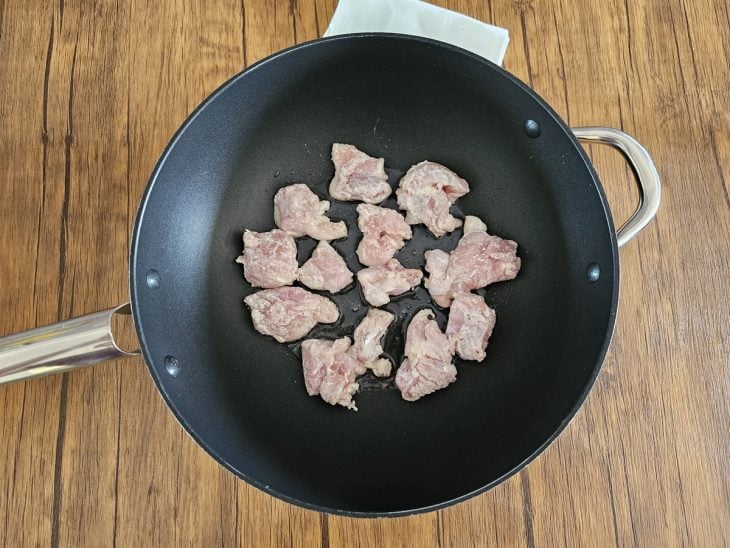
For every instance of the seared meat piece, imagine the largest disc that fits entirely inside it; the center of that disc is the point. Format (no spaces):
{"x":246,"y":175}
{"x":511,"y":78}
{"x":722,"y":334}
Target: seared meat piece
{"x":426,"y":192}
{"x":479,"y":259}
{"x":330,"y":370}
{"x":379,"y":283}
{"x":358,"y":177}
{"x":427,"y":366}
{"x":471,"y":322}
{"x":289,"y":313}
{"x":383,"y":233}
{"x":300,"y":212}
{"x":325,"y":270}
{"x":367,"y":348}
{"x":269,"y":258}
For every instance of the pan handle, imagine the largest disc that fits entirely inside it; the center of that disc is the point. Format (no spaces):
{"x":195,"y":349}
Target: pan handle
{"x":62,"y":346}
{"x":650,"y":185}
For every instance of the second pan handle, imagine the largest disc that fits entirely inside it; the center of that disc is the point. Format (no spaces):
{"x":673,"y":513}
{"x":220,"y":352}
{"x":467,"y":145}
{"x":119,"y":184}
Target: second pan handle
{"x":650,"y":185}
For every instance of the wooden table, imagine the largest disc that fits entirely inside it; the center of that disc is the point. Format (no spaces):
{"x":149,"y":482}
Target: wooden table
{"x":89,"y":95}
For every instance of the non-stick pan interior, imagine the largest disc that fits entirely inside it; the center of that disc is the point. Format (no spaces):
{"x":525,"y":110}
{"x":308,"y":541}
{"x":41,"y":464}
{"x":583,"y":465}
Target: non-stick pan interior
{"x":241,"y":395}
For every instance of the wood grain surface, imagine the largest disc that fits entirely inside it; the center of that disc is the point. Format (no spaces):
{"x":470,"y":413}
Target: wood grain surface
{"x":90,"y":92}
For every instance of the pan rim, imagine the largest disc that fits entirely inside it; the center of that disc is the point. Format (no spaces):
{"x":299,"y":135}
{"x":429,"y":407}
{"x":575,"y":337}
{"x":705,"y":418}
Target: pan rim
{"x":135,"y":287}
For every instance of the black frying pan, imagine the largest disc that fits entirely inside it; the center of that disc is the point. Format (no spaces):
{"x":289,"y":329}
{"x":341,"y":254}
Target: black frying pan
{"x":241,"y":395}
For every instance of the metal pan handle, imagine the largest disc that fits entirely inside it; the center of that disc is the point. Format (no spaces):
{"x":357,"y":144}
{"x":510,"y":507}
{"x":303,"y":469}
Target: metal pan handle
{"x":70,"y":344}
{"x":647,"y":176}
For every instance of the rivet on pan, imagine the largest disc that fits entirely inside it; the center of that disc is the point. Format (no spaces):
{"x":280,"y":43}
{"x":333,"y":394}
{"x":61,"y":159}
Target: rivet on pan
{"x":172,"y":365}
{"x":153,"y":279}
{"x":532,"y":128}
{"x":593,"y":272}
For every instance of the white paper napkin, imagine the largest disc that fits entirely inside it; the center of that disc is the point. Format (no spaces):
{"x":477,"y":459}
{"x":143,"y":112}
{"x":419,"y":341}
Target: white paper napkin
{"x":420,"y":19}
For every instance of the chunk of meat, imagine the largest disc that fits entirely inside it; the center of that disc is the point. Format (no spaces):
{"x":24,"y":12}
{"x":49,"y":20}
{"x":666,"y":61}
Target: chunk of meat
{"x":326,"y":270}
{"x":471,"y":322}
{"x":473,"y":224}
{"x":367,"y":348}
{"x":379,"y":283}
{"x":427,"y":366}
{"x":330,"y":371}
{"x":269,"y":259}
{"x":380,"y":367}
{"x":384,"y":232}
{"x":289,"y":313}
{"x":438,"y":283}
{"x":479,"y":259}
{"x":300,"y":212}
{"x":426,"y":192}
{"x":358,"y":177}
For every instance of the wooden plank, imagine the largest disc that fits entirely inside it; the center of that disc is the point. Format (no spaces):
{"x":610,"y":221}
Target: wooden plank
{"x":31,"y":184}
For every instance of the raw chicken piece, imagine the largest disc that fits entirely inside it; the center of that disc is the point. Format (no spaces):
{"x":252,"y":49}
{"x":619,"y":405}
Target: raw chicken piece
{"x":325,"y":270}
{"x":358,"y":177}
{"x":426,"y":192}
{"x":471,"y":322}
{"x":330,"y":370}
{"x":427,"y":366}
{"x":438,"y":283}
{"x":379,"y":283}
{"x":479,"y":259}
{"x":289,"y":313}
{"x":367,"y":348}
{"x":300,"y":212}
{"x":269,"y":258}
{"x":383,"y":233}
{"x":380,"y":367}
{"x":473,"y":224}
